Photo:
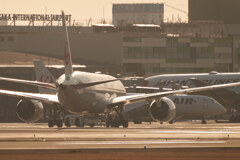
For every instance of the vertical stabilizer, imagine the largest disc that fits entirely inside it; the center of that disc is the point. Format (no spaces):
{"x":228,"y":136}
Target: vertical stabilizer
{"x":67,"y":51}
{"x":43,"y":75}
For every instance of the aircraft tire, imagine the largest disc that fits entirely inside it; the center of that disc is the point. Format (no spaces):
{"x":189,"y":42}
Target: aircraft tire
{"x":67,"y":122}
{"x":77,"y":122}
{"x":115,"y":124}
{"x":107,"y":124}
{"x":136,"y":121}
{"x":59,"y":123}
{"x":125,"y":123}
{"x":50,"y":123}
{"x":204,"y":121}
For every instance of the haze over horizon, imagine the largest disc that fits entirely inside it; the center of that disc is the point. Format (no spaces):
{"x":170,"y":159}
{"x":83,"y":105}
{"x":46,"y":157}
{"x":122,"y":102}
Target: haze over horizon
{"x":82,"y":11}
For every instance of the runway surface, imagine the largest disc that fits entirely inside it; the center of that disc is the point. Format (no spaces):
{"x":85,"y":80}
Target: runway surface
{"x":179,"y":135}
{"x":33,"y":139}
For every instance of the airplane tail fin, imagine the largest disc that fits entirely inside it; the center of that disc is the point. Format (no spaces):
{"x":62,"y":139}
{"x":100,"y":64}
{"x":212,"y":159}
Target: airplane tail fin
{"x":67,"y":51}
{"x":43,"y":75}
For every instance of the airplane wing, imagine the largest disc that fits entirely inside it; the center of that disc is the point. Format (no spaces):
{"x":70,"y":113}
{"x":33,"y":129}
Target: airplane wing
{"x":142,"y":97}
{"x":48,"y":98}
{"x":221,"y":91}
{"x":230,"y":99}
{"x":145,"y":89}
{"x":52,"y":85}
{"x":34,"y":83}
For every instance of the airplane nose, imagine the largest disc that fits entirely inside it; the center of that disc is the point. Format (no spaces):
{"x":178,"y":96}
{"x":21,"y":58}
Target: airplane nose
{"x":222,"y":109}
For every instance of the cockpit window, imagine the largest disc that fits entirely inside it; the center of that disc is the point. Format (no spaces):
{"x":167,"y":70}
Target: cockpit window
{"x":214,"y":101}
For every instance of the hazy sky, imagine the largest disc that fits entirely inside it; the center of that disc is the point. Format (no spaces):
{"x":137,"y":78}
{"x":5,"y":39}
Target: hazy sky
{"x":82,"y":10}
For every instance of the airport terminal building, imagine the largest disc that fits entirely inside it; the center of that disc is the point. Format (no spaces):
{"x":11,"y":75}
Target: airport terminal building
{"x":142,"y":52}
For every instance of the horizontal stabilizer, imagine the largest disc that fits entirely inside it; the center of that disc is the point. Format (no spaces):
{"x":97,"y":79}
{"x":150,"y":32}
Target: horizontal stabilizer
{"x":48,"y":98}
{"x":34,"y":83}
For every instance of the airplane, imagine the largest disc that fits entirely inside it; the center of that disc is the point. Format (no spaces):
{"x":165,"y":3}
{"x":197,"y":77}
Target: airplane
{"x":188,"y":107}
{"x":97,"y":93}
{"x":228,"y":97}
{"x":213,"y":78}
{"x":193,"y":107}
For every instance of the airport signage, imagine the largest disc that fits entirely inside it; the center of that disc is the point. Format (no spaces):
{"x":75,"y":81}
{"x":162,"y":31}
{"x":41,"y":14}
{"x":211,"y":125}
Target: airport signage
{"x":33,"y":17}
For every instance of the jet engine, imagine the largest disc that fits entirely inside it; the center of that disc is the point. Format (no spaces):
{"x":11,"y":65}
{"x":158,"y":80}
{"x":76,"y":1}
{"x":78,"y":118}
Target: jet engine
{"x":29,"y":111}
{"x":162,"y":109}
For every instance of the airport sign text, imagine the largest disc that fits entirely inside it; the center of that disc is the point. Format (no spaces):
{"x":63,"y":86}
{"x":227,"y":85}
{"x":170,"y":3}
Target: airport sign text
{"x":32,"y":17}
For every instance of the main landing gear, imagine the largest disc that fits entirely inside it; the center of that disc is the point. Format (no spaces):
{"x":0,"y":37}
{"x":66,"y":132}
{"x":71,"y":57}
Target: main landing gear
{"x":115,"y":117}
{"x":204,"y":121}
{"x":55,"y":116}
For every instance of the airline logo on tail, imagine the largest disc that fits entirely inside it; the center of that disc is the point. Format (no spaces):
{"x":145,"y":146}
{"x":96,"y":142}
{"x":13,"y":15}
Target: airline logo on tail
{"x":46,"y":79}
{"x":43,"y":75}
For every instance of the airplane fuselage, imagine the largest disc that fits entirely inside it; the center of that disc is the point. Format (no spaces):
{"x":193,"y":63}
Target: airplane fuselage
{"x":192,"y":107}
{"x":95,"y":98}
{"x":213,"y":78}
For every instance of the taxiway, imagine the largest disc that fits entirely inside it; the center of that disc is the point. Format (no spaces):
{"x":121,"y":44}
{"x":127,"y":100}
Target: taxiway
{"x":19,"y":138}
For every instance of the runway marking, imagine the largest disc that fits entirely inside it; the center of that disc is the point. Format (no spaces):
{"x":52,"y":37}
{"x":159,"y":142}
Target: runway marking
{"x":139,"y":142}
{"x":197,"y":132}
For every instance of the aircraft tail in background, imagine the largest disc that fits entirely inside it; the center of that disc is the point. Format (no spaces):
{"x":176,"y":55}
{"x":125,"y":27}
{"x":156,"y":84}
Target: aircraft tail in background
{"x":43,"y":75}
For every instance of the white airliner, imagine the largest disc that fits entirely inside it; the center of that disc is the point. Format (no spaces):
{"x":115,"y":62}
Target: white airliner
{"x":192,"y":107}
{"x":212,"y":78}
{"x":228,"y":97}
{"x":82,"y":91}
{"x":188,"y":107}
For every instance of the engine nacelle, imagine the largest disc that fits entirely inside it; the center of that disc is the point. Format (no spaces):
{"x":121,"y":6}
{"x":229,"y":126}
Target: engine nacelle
{"x":162,"y":110}
{"x":29,"y":111}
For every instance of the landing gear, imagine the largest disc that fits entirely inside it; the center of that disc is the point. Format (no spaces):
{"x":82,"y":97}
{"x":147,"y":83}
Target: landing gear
{"x":125,"y":124}
{"x":204,"y":121}
{"x":59,"y":123}
{"x":116,"y":123}
{"x":67,"y":122}
{"x":50,"y":123}
{"x":55,"y":116}
{"x":235,"y":117}
{"x":77,"y":122}
{"x":137,"y":121}
{"x":115,"y":117}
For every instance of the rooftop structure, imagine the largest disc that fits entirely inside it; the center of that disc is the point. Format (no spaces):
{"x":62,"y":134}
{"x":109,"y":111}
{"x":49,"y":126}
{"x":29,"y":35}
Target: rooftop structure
{"x":142,"y":13}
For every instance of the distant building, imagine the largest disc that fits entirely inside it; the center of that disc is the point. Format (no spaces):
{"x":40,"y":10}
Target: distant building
{"x":143,"y":50}
{"x":226,"y":11}
{"x":148,"y":13}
